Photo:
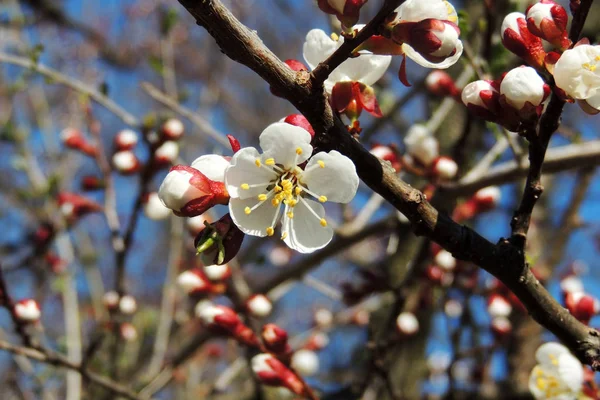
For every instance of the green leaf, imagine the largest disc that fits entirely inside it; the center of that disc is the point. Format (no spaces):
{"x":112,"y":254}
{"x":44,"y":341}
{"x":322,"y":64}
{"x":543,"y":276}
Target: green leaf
{"x":156,"y":64}
{"x":169,"y":21}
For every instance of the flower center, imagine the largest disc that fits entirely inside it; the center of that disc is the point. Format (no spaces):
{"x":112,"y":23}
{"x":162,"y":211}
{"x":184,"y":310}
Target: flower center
{"x":549,"y":384}
{"x":286,"y":189}
{"x":591,"y":66}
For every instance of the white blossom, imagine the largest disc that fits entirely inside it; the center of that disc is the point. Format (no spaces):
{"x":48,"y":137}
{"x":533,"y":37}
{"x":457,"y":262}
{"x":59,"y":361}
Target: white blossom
{"x":577,"y":72}
{"x":421,"y":144}
{"x":558,"y":374}
{"x":265,"y":188}
{"x":522,"y":85}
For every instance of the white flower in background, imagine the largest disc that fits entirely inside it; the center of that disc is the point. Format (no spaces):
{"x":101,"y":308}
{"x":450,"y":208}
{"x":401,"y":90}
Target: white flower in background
{"x":523,"y":85}
{"x":407,"y":323}
{"x":155,"y":209}
{"x":259,"y":305}
{"x":305,"y":362}
{"x":167,"y":152}
{"x":367,"y":68}
{"x":27,"y":311}
{"x":577,"y":72}
{"x":558,"y":374}
{"x":261,"y":186}
{"x":421,"y":145}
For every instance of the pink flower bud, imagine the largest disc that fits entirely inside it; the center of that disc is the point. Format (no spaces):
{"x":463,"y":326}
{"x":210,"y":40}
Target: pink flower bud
{"x":571,"y":284}
{"x":111,"y":300}
{"x":128,"y":332}
{"x":194,"y":282}
{"x":74,"y":206}
{"x":517,"y":38}
{"x":172,"y":129}
{"x":498,"y":306}
{"x":275,"y":339}
{"x":270,"y":371}
{"x":548,"y":20}
{"x":188,"y":192}
{"x":440,"y":83}
{"x":407,"y":323}
{"x":259,"y":305}
{"x":73,"y":139}
{"x":27,"y":311}
{"x":126,"y":162}
{"x":166,"y":153}
{"x":154,"y":208}
{"x":127,"y":305}
{"x":482,"y":99}
{"x":386,"y":153}
{"x":444,"y":168}
{"x":126,"y":140}
{"x":305,"y":362}
{"x":224,"y":320}
{"x":524,"y":90}
{"x":487,"y":198}
{"x":217,"y":272}
{"x":501,"y":327}
{"x":445,"y":260}
{"x":323,"y":318}
{"x":317,"y":341}
{"x":582,"y":305}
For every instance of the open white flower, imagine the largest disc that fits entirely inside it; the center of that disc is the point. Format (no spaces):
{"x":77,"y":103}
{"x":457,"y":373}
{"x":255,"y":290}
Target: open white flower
{"x":261,"y":186}
{"x":558,"y":374}
{"x":577,"y":71}
{"x":367,"y":68}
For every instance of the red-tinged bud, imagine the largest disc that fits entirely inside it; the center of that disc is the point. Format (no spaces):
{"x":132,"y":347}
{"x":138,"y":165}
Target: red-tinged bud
{"x":126,"y":140}
{"x":517,"y":38}
{"x":275,"y":339}
{"x":323,"y":318}
{"x":27,"y":311}
{"x":421,"y":145}
{"x":224,"y":320}
{"x":487,"y":198}
{"x":172,"y":129}
{"x":127,"y":305}
{"x":346,"y":11}
{"x":57,"y":264}
{"x":583,"y":306}
{"x":220,"y":241}
{"x":317,"y":341}
{"x":387,"y":153}
{"x":522,"y":90}
{"x":482,"y":98}
{"x":434,"y":274}
{"x":434,"y":39}
{"x":571,"y":284}
{"x":194,"y":282}
{"x":126,"y":162}
{"x":501,"y":327}
{"x":217,"y":273}
{"x":440,"y":83}
{"x":444,"y":168}
{"x":259,"y":305}
{"x":407,"y":324}
{"x":188,"y":192}
{"x":166,"y":153}
{"x":548,"y":20}
{"x":74,"y":206}
{"x":73,"y":139}
{"x":272,"y":372}
{"x":305,"y":362}
{"x":301,"y":121}
{"x":128,"y":332}
{"x":296,"y":65}
{"x":111,"y":300}
{"x":90,"y":182}
{"x":498,"y":306}
{"x":234,"y":143}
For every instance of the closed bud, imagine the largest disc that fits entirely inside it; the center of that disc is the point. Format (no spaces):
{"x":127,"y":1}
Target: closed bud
{"x":407,"y":323}
{"x":74,"y":206}
{"x":126,"y":162}
{"x":217,"y":273}
{"x":453,"y":308}
{"x":194,"y":282}
{"x":270,"y":371}
{"x":548,"y":20}
{"x":27,"y":311}
{"x":259,"y":305}
{"x":154,"y":208}
{"x":111,"y":300}
{"x":421,"y":145}
{"x":524,"y":90}
{"x":440,"y":83}
{"x":444,"y":168}
{"x":166,"y":153}
{"x":435,"y":40}
{"x":73,"y":139}
{"x":498,"y":306}
{"x":126,"y":140}
{"x":582,"y":305}
{"x":275,"y":339}
{"x":387,"y":153}
{"x":225,"y":321}
{"x":172,"y":129}
{"x":346,"y":11}
{"x":517,"y":38}
{"x":571,"y":284}
{"x":305,"y":362}
{"x":487,"y":198}
{"x":482,"y":99}
{"x":127,"y":305}
{"x":501,"y":327}
{"x":317,"y":341}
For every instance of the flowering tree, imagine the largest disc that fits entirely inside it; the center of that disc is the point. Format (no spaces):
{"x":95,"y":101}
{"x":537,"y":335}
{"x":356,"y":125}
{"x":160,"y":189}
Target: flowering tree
{"x":310,"y":198}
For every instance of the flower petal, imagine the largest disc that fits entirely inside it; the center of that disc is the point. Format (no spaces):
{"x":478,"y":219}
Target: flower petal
{"x":570,"y":371}
{"x":332,"y":175}
{"x":548,"y":353}
{"x":212,"y":166}
{"x":289,"y":145}
{"x":419,"y":59}
{"x":255,"y":223}
{"x":305,"y":233}
{"x":317,"y":47}
{"x":418,"y":10}
{"x":243,"y":171}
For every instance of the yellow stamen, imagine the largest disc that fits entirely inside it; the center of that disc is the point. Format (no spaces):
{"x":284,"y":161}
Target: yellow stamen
{"x":335,"y":37}
{"x":553,"y":359}
{"x":284,"y":236}
{"x":298,"y":150}
{"x":257,"y":162}
{"x":589,"y":67}
{"x":245,"y":186}
{"x":270,"y":231}
{"x":270,"y":161}
{"x":278,"y":189}
{"x":290,"y":215}
{"x":321,"y":163}
{"x":298,"y":190}
{"x":262,"y":197}
{"x":291,"y":202}
{"x":323,"y":199}
{"x":275,"y":202}
{"x":597,"y":58}
{"x":323,"y":222}
{"x":247,"y":210}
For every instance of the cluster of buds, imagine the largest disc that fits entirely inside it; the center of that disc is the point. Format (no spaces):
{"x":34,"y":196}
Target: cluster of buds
{"x":165,"y":145}
{"x":515,"y":101}
{"x":74,"y":206}
{"x":500,"y":308}
{"x":272,"y":372}
{"x":483,"y":200}
{"x":441,"y":270}
{"x":440,"y":83}
{"x":195,"y":282}
{"x":346,"y":11}
{"x":27,"y":311}
{"x":220,"y":241}
{"x":124,"y":159}
{"x":154,"y":208}
{"x":580,"y":304}
{"x":422,"y":155}
{"x":126,"y":305}
{"x":259,"y":305}
{"x":224,"y":320}
{"x":74,"y":139}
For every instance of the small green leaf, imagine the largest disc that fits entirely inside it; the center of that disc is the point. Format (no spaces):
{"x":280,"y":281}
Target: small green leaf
{"x":156,"y":64}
